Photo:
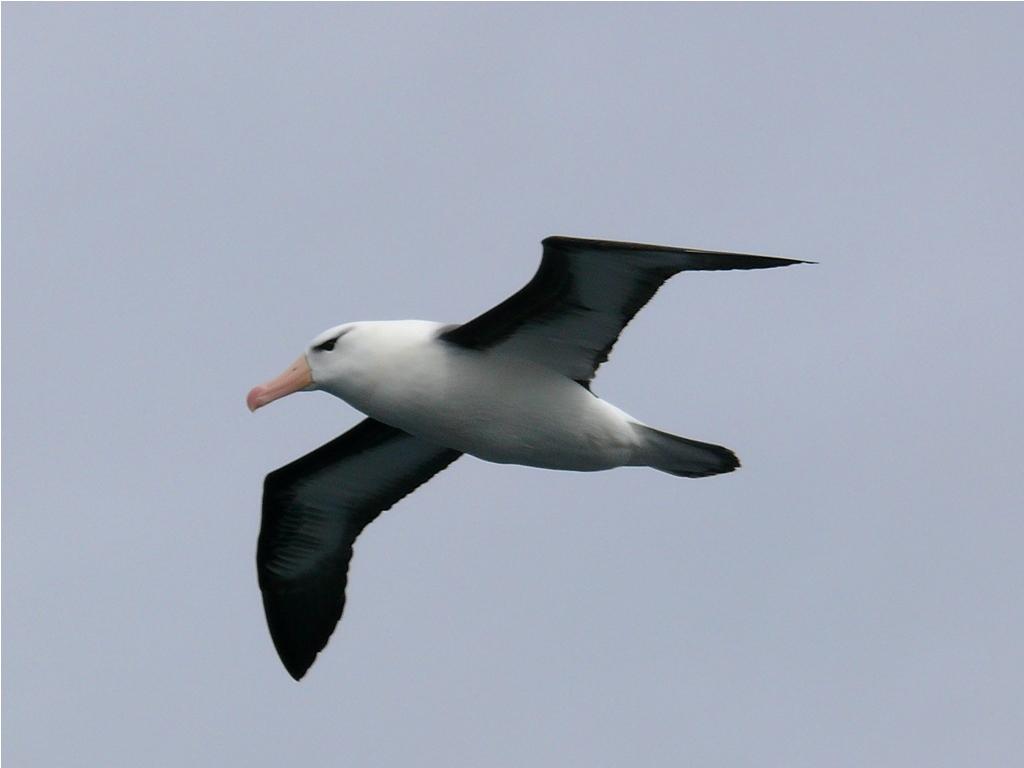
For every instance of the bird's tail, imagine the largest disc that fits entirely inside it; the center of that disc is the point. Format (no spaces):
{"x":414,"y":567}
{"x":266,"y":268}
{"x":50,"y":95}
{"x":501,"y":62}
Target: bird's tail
{"x":681,"y":456}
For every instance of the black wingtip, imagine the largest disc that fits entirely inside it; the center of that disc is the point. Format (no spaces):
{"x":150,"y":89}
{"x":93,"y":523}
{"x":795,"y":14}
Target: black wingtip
{"x":297,"y":658}
{"x":713,"y":259}
{"x":781,"y":262}
{"x":300,"y":625}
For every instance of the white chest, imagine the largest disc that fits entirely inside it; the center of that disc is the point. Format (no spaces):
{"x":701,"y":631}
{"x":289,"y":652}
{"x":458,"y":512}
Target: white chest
{"x":494,"y":407}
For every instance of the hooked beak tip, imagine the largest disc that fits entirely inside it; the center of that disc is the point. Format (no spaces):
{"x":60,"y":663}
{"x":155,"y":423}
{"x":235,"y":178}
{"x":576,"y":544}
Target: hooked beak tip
{"x":254,"y":399}
{"x":298,"y":377}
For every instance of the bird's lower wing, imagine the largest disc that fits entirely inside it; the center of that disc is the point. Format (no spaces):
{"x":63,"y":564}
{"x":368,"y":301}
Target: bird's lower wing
{"x":313,"y":510}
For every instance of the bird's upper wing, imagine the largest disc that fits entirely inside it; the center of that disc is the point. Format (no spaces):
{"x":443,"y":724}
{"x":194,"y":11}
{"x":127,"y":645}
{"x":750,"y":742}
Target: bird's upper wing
{"x":570,"y":314}
{"x":313,"y":509}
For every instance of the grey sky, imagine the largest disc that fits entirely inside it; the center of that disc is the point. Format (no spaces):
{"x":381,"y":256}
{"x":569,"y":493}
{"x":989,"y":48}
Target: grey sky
{"x":191,"y":192}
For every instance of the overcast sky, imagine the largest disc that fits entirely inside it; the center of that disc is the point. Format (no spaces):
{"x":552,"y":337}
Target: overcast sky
{"x":192,"y":192}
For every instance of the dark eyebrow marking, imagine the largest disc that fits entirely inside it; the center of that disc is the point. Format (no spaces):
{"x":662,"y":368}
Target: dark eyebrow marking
{"x":327,"y":346}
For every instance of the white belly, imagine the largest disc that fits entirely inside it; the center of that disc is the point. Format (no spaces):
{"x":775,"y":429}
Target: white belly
{"x":493,"y":407}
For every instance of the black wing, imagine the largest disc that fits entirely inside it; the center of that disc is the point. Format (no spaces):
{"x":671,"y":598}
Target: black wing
{"x":570,"y":314}
{"x":313,"y":509}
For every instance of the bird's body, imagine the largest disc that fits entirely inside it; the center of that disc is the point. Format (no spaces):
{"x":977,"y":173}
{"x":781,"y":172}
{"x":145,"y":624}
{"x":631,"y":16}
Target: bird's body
{"x":510,"y":386}
{"x":488,"y":404}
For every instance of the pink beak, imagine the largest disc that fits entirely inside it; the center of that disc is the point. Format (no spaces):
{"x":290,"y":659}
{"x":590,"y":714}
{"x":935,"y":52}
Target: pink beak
{"x":297,"y":377}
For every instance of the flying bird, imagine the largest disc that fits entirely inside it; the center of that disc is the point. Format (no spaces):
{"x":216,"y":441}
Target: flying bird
{"x":510,"y":386}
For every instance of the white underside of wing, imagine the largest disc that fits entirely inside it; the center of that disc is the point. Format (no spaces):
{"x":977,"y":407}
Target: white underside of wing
{"x":571,"y":339}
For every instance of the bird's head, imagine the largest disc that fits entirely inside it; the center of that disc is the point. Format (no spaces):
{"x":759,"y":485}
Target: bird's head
{"x":323,"y":361}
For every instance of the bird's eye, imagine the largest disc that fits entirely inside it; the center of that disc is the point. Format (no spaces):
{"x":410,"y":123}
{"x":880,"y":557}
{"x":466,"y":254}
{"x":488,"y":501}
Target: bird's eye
{"x":327,"y":346}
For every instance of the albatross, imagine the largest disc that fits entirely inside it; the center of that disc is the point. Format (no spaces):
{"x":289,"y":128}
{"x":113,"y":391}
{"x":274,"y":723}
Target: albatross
{"x":512,"y":386}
